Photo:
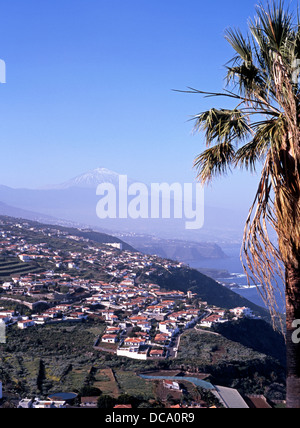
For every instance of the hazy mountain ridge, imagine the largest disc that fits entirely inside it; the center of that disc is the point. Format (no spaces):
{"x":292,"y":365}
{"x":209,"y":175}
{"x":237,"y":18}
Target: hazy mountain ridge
{"x":185,"y":251}
{"x":92,"y":235}
{"x":76,"y":200}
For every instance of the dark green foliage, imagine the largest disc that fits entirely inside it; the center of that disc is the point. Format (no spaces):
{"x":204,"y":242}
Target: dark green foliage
{"x":41,"y":376}
{"x":48,"y":359}
{"x":208,"y":397}
{"x":129,"y":399}
{"x":106,"y":402}
{"x":232,"y":364}
{"x":257,"y":335}
{"x":90,"y":391}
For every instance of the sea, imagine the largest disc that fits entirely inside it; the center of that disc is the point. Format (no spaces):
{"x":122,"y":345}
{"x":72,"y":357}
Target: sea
{"x":234,"y":266}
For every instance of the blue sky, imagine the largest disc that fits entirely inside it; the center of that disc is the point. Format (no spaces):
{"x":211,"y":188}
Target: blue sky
{"x":89,"y":84}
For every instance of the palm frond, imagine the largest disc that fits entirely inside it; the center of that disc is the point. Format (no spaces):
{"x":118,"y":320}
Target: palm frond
{"x":260,"y":255}
{"x":221,"y":126}
{"x":249,"y":154}
{"x":240,"y":44}
{"x":276,"y":23}
{"x":214,"y":161}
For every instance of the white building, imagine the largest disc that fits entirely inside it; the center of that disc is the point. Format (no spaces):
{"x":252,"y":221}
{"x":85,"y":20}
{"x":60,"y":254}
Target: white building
{"x":117,"y":245}
{"x":43,"y":404}
{"x":170,"y":384}
{"x":25,"y":324}
{"x":168,"y":327}
{"x":109,"y":338}
{"x":7,"y":286}
{"x":36,"y":403}
{"x":132,"y":352}
{"x":242,"y":312}
{"x":24,"y":257}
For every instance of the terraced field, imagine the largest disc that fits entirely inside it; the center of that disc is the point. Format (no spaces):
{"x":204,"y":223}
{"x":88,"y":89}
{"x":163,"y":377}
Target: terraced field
{"x":106,"y":382}
{"x":13,"y":266}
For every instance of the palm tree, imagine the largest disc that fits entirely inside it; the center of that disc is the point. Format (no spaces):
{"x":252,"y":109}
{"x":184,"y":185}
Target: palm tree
{"x":264,"y":128}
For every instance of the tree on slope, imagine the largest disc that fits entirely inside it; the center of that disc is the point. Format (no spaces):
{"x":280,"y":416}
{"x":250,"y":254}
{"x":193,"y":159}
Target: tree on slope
{"x":264,"y":127}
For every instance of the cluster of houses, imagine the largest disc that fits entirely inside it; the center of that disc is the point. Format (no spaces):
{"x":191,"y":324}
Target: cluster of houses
{"x":142,"y":320}
{"x":220,"y":315}
{"x":149,"y":318}
{"x":151,"y":328}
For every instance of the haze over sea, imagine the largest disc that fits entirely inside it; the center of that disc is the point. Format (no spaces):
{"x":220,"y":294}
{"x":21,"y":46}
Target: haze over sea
{"x":233,"y":265}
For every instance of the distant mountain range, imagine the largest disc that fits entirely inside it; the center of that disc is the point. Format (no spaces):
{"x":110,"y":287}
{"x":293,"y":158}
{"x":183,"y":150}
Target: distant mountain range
{"x":9,"y":211}
{"x":75,"y":201}
{"x":184,"y":251}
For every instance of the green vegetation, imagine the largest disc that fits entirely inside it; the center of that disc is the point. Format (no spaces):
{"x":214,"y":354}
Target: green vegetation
{"x":255,"y":334}
{"x":134,"y":385}
{"x":207,"y":348}
{"x":232,"y":364}
{"x":61,"y":358}
{"x":106,"y":402}
{"x":49,"y":358}
{"x":12,"y":266}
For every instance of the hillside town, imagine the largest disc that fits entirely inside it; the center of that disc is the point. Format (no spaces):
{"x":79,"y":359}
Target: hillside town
{"x":55,"y":277}
{"x":142,"y":320}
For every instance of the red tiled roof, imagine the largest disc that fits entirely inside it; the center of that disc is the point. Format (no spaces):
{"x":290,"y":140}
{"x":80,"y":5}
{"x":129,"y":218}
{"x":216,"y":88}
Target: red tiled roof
{"x":123,"y":406}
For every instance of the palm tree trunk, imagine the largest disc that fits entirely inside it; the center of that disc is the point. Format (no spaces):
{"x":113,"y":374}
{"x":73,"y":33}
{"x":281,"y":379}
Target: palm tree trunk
{"x":293,"y":348}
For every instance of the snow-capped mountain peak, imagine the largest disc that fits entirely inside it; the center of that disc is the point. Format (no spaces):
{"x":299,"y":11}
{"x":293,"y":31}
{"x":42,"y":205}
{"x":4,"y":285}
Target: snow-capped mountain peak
{"x":90,"y":179}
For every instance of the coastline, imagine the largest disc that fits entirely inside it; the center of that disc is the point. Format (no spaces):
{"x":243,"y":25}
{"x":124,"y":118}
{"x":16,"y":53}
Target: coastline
{"x":229,"y":273}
